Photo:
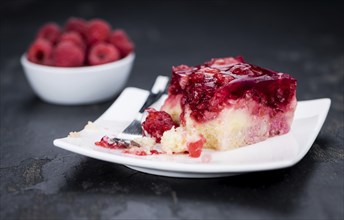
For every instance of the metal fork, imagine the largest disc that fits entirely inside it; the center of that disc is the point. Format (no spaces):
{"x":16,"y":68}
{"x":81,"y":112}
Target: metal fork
{"x":134,"y":129}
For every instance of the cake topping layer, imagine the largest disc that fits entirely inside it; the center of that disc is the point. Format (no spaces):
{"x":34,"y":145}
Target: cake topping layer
{"x":209,"y":87}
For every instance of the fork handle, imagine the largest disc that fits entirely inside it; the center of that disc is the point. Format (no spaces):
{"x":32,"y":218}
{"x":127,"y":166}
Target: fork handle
{"x":152,"y":98}
{"x":158,"y":89}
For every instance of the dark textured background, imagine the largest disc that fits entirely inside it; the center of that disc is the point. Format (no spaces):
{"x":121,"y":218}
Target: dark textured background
{"x":39,"y":181}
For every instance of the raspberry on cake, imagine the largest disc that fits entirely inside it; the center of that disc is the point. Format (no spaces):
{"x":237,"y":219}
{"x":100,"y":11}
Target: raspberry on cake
{"x":156,"y":123}
{"x":173,"y":138}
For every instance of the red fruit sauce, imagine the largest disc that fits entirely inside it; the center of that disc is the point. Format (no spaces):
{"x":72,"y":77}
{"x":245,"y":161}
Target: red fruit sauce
{"x":106,"y":143}
{"x":209,"y":87}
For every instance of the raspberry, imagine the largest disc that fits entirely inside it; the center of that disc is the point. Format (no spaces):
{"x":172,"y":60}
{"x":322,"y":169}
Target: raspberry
{"x":102,"y":53}
{"x":156,"y":123}
{"x":78,"y":25}
{"x":98,"y":30}
{"x":119,"y":35}
{"x":73,"y":37}
{"x":195,"y":148}
{"x":121,"y":40}
{"x":83,"y":34}
{"x":40,"y":52}
{"x":67,"y":54}
{"x":50,"y":32}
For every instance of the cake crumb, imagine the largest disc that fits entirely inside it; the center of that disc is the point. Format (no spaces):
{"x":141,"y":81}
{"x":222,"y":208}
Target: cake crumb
{"x":90,"y":126}
{"x":145,"y":142}
{"x":74,"y":134}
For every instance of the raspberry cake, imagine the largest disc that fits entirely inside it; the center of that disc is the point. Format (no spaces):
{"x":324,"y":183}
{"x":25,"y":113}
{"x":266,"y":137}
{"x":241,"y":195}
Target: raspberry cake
{"x":222,"y":104}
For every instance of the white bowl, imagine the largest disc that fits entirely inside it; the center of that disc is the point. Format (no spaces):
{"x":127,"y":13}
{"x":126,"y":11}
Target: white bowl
{"x":78,"y":85}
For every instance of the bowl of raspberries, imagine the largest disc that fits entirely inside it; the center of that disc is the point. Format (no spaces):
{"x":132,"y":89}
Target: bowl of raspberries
{"x":83,"y":62}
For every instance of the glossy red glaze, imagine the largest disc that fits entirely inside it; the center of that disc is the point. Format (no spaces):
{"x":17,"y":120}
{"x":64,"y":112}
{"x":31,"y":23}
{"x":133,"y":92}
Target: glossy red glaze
{"x":209,"y":87}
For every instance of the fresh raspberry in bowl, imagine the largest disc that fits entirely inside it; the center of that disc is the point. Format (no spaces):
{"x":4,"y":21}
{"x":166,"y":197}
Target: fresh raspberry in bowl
{"x":73,"y":37}
{"x":98,"y":30}
{"x":40,"y":52}
{"x":50,"y":32}
{"x":98,"y":42}
{"x":78,"y":25}
{"x":121,"y":40}
{"x":77,"y":64}
{"x":68,"y":54}
{"x":102,"y":53}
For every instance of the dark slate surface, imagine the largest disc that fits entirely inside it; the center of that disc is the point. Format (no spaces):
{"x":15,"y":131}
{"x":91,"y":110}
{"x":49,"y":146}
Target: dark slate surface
{"x":40,"y":181}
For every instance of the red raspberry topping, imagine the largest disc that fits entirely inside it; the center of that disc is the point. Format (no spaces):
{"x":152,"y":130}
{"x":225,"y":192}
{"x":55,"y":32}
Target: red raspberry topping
{"x":200,"y":92}
{"x":180,"y":78}
{"x":102,"y":53}
{"x":78,"y":25}
{"x":40,"y":52}
{"x":73,"y":37}
{"x":67,"y":54}
{"x":120,"y":39}
{"x":156,"y":123}
{"x":50,"y":32}
{"x":98,"y":30}
{"x":209,"y":87}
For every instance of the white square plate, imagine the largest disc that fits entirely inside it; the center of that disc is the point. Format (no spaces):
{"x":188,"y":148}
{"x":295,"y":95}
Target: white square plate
{"x":274,"y":153}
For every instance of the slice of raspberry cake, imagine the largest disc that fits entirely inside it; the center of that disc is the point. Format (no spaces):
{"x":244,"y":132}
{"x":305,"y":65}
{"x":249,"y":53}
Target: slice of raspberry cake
{"x":227,"y":102}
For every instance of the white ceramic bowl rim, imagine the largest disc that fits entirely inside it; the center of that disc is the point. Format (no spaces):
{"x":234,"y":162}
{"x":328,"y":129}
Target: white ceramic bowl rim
{"x":83,"y":69}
